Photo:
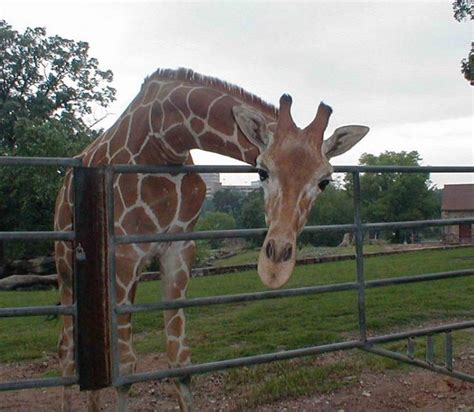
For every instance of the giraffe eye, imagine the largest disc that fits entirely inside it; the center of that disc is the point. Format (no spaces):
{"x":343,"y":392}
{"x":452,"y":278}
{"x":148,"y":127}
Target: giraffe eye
{"x":262,"y":174}
{"x":323,"y":183}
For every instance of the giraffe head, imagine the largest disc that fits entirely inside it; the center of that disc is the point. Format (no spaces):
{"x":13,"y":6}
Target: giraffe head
{"x":294,"y":169}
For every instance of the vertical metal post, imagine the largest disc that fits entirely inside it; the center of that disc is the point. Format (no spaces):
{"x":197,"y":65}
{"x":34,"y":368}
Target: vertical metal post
{"x":448,"y":350}
{"x":93,"y":311}
{"x":78,"y":187}
{"x":109,"y":190}
{"x":359,"y":238}
{"x":411,"y":347}
{"x":430,"y":349}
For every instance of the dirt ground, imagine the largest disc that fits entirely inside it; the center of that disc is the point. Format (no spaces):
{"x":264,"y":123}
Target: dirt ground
{"x":392,"y":390}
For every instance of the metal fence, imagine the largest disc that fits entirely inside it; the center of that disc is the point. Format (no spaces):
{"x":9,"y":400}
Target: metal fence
{"x":108,"y":349}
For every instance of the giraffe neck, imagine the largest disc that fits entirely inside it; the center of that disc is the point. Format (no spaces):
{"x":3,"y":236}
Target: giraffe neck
{"x":171,"y":116}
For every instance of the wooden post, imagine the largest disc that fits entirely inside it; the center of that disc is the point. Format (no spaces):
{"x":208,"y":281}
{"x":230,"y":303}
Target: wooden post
{"x":93,"y":352}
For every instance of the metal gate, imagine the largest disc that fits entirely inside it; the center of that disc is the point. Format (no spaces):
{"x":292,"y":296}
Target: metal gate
{"x":95,"y":243}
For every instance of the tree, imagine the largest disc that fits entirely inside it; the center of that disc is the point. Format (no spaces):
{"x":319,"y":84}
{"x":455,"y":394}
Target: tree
{"x":216,"y":221}
{"x":228,"y":201}
{"x":252,"y":214}
{"x":49,"y":86}
{"x":395,"y":196}
{"x":463,"y":10}
{"x":332,"y":207}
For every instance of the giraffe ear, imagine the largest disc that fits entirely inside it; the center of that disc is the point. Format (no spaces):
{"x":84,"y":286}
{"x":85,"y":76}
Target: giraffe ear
{"x":252,"y":124}
{"x":343,"y":139}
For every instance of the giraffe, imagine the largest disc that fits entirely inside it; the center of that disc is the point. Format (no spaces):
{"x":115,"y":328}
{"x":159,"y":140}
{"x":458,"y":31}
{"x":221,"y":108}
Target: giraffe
{"x":174,"y":112}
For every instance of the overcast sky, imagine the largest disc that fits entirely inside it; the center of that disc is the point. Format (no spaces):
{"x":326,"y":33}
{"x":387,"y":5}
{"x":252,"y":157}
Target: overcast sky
{"x":393,"y":66}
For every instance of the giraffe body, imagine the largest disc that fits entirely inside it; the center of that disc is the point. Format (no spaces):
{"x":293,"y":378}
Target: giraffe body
{"x":177,"y":111}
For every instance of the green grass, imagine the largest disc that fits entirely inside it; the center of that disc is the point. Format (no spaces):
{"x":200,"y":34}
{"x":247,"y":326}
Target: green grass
{"x":228,"y":331}
{"x":251,"y":256}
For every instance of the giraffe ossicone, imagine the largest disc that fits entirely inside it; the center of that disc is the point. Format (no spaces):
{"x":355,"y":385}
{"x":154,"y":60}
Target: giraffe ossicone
{"x":174,"y":112}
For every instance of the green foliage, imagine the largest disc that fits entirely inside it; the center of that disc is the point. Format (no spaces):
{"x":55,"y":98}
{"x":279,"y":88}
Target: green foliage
{"x":463,"y":10}
{"x":332,"y":207}
{"x":228,"y":201}
{"x":396,"y":196}
{"x":48,"y":87}
{"x":215,"y":221}
{"x":252,"y":214}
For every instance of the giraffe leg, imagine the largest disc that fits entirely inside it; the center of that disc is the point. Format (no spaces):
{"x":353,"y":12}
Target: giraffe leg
{"x":63,"y":253}
{"x":127,"y":275}
{"x":94,"y":403}
{"x":175,"y":265}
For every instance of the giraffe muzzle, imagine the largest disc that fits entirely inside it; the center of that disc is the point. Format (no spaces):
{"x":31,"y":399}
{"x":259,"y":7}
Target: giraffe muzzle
{"x":276,"y":262}
{"x":278,"y":253}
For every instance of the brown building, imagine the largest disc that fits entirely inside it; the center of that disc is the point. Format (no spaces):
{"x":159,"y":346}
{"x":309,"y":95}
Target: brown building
{"x":458,"y":202}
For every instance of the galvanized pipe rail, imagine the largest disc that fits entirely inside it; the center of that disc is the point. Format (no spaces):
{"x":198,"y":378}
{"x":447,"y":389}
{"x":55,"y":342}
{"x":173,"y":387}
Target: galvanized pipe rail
{"x":360,"y":284}
{"x":358,"y":227}
{"x":35,"y":235}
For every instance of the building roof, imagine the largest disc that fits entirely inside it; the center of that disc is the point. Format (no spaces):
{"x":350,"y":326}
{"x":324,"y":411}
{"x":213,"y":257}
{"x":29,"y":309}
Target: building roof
{"x":458,"y":197}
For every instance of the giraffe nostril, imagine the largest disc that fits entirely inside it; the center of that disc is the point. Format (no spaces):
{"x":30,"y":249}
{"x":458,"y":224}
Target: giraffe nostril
{"x":270,"y":249}
{"x":287,"y":253}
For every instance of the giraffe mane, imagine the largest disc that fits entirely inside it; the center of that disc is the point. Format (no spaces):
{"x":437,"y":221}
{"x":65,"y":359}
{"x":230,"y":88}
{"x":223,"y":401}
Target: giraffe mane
{"x":190,"y":76}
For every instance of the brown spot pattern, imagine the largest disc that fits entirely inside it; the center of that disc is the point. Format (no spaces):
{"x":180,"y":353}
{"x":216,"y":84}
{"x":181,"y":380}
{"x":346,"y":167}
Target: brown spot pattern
{"x":128,"y":183}
{"x":139,"y":129}
{"x":175,"y":327}
{"x":178,"y":98}
{"x":193,"y":191}
{"x":197,"y":125}
{"x":137,"y":221}
{"x":171,"y":115}
{"x":99,"y":157}
{"x":121,"y":157}
{"x":151,"y":93}
{"x":209,"y":141}
{"x":221,"y":117}
{"x":172,"y":348}
{"x":120,"y":136}
{"x":156,"y":117}
{"x":180,"y":139}
{"x":200,"y":100}
{"x":159,"y":193}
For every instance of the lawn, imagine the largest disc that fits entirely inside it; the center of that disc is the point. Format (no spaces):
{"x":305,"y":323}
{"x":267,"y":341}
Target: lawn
{"x":251,"y":256}
{"x":227,"y":331}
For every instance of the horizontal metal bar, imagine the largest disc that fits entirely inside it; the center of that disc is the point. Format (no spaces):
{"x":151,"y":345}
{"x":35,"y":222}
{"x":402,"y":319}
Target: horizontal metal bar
{"x":38,"y":311}
{"x":285,"y":293}
{"x":422,"y":364}
{"x":182,"y":169}
{"x":232,"y":363}
{"x":37,"y":235}
{"x":244,"y":297}
{"x":219,"y":234}
{"x":64,"y":161}
{"x":243,"y":233}
{"x":37,"y":383}
{"x":404,"y":169}
{"x":419,"y":278}
{"x":282,"y":355}
{"x":39,"y":161}
{"x":250,"y":169}
{"x":170,"y":237}
{"x":416,"y":223}
{"x":421,"y":332}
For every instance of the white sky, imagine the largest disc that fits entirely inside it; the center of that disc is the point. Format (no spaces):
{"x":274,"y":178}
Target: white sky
{"x":393,"y":66}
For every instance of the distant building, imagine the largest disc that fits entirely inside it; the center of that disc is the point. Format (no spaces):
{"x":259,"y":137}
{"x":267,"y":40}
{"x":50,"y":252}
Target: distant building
{"x":458,"y":202}
{"x":245,"y":189}
{"x":213,"y":183}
